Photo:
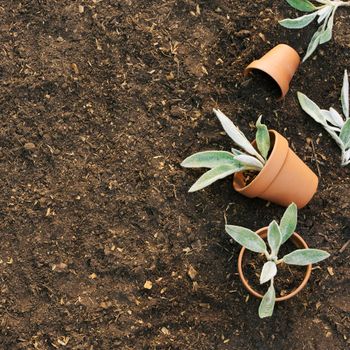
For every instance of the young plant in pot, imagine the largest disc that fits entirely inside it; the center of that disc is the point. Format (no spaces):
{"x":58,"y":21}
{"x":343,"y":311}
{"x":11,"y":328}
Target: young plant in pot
{"x":266,"y":168}
{"x":276,"y":236}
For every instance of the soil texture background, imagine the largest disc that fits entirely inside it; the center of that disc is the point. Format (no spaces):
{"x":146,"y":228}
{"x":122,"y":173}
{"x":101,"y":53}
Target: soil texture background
{"x":100,"y":102}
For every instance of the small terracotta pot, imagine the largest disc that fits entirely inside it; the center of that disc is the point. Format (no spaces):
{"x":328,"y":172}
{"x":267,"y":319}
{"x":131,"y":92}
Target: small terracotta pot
{"x":299,"y":243}
{"x":280,"y":64}
{"x":284,"y":179}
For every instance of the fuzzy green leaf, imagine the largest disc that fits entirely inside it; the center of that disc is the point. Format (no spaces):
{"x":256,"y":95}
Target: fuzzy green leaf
{"x":311,"y":109}
{"x":289,"y":222}
{"x":315,"y":40}
{"x":268,"y":272}
{"x":268,"y":303}
{"x":335,"y":118}
{"x":302,"y":5}
{"x":345,"y":95}
{"x":262,"y":138}
{"x":249,"y":161}
{"x":324,"y":13}
{"x":327,"y":34}
{"x":274,"y":237}
{"x":246,"y":238}
{"x":304,"y":257}
{"x":215,"y":174}
{"x":298,"y":23}
{"x":235,"y":134}
{"x":208,"y":159}
{"x":236,"y":152}
{"x":345,"y":134}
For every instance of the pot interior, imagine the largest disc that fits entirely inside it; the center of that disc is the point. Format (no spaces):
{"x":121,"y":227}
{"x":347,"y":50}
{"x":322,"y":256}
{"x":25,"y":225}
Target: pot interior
{"x":262,"y":85}
{"x":288,"y":277}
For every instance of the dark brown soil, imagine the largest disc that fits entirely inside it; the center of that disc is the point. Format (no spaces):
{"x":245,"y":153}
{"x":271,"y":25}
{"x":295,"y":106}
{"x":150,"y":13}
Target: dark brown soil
{"x":99,"y":105}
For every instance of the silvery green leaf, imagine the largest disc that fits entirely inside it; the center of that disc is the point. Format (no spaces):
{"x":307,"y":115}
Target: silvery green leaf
{"x":236,"y":152}
{"x":274,"y":237}
{"x":215,"y":174}
{"x":336,"y":118}
{"x":327,"y":33}
{"x":336,"y":138}
{"x":208,"y":159}
{"x":345,"y":95}
{"x":315,"y":112}
{"x":268,"y":303}
{"x":329,"y":118}
{"x":345,"y":134}
{"x":236,"y":135}
{"x":304,"y":257}
{"x":262,"y":138}
{"x":268,"y":272}
{"x":311,"y":109}
{"x":323,"y":13}
{"x":333,"y":128}
{"x":249,"y":161}
{"x":246,"y":238}
{"x":315,"y":40}
{"x":298,"y":23}
{"x":302,"y":5}
{"x":289,"y":222}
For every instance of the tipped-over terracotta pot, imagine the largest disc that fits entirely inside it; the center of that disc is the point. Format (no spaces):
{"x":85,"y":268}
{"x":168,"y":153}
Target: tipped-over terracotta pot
{"x":280,"y":64}
{"x":284,"y":179}
{"x":299,"y":243}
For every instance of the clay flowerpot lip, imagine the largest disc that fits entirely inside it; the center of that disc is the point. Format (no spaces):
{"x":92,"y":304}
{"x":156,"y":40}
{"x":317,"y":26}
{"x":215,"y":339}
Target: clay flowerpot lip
{"x":280,"y":63}
{"x":265,"y":176}
{"x":299,"y":243}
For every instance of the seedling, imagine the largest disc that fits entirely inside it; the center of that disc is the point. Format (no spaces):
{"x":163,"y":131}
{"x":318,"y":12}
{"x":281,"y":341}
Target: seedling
{"x":223,"y":163}
{"x":325,"y":13}
{"x":276,"y":236}
{"x":332,"y":121}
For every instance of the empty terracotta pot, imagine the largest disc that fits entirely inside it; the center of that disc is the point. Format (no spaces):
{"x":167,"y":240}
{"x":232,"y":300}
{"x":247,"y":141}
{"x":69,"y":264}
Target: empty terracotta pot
{"x":280,"y":64}
{"x":299,"y":243}
{"x":284,"y":179}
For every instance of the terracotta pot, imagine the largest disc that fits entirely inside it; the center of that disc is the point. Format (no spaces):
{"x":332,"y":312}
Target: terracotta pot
{"x":299,"y":243}
{"x":280,"y":64}
{"x":284,"y":179}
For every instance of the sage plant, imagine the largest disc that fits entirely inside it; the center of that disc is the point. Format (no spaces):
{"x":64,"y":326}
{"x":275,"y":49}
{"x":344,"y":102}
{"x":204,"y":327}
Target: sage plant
{"x":338,"y":127}
{"x":277,"y":235}
{"x":223,"y":163}
{"x":324,"y":10}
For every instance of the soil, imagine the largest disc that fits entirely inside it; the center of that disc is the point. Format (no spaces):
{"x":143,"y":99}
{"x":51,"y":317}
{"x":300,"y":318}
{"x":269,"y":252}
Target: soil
{"x":288,"y":277}
{"x":249,"y":176}
{"x":102,"y":245}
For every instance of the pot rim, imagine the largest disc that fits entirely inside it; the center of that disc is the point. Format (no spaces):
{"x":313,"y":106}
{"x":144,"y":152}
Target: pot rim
{"x":279,"y":143}
{"x":296,"y":239}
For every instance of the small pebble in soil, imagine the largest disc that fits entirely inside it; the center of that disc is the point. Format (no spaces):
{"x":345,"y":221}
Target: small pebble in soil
{"x":330,"y":270}
{"x":29,"y":146}
{"x":93,"y":276}
{"x":59,"y":267}
{"x":165,"y":331}
{"x":148,"y":285}
{"x":192,"y":273}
